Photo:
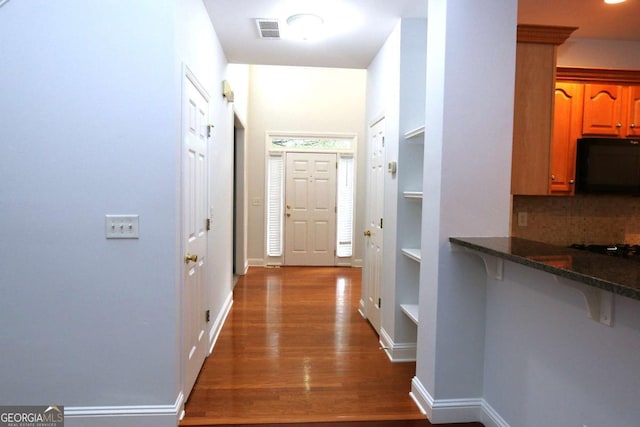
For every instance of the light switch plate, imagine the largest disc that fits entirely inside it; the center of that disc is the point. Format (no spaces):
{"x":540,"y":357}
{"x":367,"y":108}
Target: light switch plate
{"x":122,"y":227}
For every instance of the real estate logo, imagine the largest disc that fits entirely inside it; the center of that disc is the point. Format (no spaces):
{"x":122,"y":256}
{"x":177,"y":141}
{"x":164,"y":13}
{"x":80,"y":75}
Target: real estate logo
{"x":31,"y":416}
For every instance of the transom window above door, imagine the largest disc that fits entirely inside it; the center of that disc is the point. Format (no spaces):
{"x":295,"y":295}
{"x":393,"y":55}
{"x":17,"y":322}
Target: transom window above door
{"x":296,"y":142}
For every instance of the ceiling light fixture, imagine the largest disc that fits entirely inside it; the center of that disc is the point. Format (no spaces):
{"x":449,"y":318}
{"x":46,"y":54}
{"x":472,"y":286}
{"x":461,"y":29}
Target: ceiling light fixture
{"x":614,"y":1}
{"x":305,"y":26}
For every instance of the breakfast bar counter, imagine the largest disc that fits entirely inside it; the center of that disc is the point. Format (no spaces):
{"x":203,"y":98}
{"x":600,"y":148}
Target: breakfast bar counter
{"x":616,"y":275}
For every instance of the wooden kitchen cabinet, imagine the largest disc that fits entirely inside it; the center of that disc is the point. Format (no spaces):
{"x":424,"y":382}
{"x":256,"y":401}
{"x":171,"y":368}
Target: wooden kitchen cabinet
{"x":567,"y":128}
{"x":611,"y":110}
{"x":533,"y":107}
{"x":633,"y":117}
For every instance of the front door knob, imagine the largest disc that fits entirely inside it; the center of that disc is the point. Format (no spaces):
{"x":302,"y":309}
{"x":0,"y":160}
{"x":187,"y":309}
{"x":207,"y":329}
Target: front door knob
{"x":367,"y":233}
{"x":189,"y":257}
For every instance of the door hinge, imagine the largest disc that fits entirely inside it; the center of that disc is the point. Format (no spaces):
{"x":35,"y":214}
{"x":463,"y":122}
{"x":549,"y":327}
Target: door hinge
{"x":209,"y":129}
{"x":207,"y":316}
{"x":383,"y":141}
{"x":336,"y":165}
{"x":379,"y":302}
{"x":208,"y":224}
{"x":380,"y":222}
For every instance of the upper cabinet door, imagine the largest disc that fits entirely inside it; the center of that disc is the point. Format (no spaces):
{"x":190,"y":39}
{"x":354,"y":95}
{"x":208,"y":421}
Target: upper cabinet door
{"x":567,"y":126}
{"x":633,"y":118}
{"x":603,"y":110}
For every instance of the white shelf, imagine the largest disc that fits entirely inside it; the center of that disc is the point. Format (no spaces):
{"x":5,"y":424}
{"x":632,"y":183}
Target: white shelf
{"x":414,"y":132}
{"x":414,"y":254}
{"x":412,"y":194}
{"x":411,"y":310}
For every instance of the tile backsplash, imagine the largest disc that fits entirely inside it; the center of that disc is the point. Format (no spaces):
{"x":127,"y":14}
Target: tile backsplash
{"x":587,"y":219}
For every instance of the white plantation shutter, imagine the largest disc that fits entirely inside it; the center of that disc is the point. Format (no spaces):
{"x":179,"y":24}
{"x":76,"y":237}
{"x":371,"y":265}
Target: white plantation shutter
{"x":346,"y":170}
{"x":275,"y":191}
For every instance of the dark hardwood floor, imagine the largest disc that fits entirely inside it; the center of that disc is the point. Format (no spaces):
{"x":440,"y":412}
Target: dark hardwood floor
{"x":295,"y":351}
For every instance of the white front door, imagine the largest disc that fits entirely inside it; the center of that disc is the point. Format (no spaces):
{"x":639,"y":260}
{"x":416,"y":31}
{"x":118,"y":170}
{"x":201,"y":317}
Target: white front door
{"x":194,"y":213}
{"x":373,"y":233}
{"x":310,"y":209}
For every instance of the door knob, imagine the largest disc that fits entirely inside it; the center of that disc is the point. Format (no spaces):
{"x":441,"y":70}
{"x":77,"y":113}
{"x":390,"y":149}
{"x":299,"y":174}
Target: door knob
{"x":367,"y":233}
{"x":190,"y":257}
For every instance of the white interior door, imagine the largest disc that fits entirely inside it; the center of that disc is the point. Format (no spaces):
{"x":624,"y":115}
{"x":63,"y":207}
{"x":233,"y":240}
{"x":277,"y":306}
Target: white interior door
{"x":373,"y":233}
{"x":194,"y":212}
{"x":310,"y":209}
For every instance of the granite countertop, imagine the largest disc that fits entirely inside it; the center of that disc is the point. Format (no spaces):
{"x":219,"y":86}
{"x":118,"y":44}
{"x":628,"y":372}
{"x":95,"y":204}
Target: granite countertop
{"x":618,"y":275}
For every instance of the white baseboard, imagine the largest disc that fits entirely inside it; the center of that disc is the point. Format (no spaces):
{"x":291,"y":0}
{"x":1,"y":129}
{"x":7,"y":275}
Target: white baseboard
{"x":397,"y":352}
{"x":216,"y":328}
{"x":256,"y":262}
{"x":125,"y":416}
{"x":362,"y":308}
{"x":454,"y":410}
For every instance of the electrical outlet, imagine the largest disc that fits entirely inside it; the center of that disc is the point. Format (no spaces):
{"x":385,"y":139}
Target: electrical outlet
{"x":523,"y":219}
{"x":122,"y":227}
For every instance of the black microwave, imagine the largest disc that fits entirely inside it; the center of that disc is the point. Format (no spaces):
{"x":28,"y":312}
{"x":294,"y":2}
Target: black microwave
{"x":608,"y":165}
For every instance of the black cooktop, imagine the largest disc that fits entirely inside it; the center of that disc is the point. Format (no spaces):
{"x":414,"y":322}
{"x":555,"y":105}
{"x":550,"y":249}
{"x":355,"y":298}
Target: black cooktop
{"x":621,"y":250}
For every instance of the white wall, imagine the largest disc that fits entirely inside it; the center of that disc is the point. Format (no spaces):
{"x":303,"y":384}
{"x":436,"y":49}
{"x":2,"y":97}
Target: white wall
{"x":199,"y":49}
{"x":93,"y":321}
{"x":383,"y":99}
{"x":595,"y":53}
{"x":469,"y":126}
{"x":395,"y":90}
{"x":238,"y":76}
{"x":300,"y":99}
{"x":91,"y":126}
{"x":547,"y":363}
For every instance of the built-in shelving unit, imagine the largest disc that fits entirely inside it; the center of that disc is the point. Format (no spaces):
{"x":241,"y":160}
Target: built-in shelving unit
{"x":414,"y":254}
{"x":411,"y":135}
{"x":399,"y":318}
{"x":411,"y":310}
{"x":409,"y":226}
{"x":412,"y":194}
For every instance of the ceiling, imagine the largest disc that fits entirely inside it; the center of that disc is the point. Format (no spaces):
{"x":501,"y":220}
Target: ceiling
{"x":360,"y":27}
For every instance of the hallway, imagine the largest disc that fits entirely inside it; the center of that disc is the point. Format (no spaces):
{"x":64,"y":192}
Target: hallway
{"x":295,"y":349}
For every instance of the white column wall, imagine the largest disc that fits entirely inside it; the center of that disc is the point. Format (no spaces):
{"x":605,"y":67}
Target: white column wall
{"x":469,"y":126}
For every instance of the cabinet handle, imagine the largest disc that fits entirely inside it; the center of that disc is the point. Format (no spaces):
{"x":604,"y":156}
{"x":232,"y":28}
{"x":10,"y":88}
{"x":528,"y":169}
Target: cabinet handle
{"x":632,"y":126}
{"x":572,"y":181}
{"x":619,"y":125}
{"x":553,"y":177}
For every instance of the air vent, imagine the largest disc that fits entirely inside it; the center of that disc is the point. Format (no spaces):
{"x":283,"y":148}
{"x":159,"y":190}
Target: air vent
{"x":268,"y":28}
